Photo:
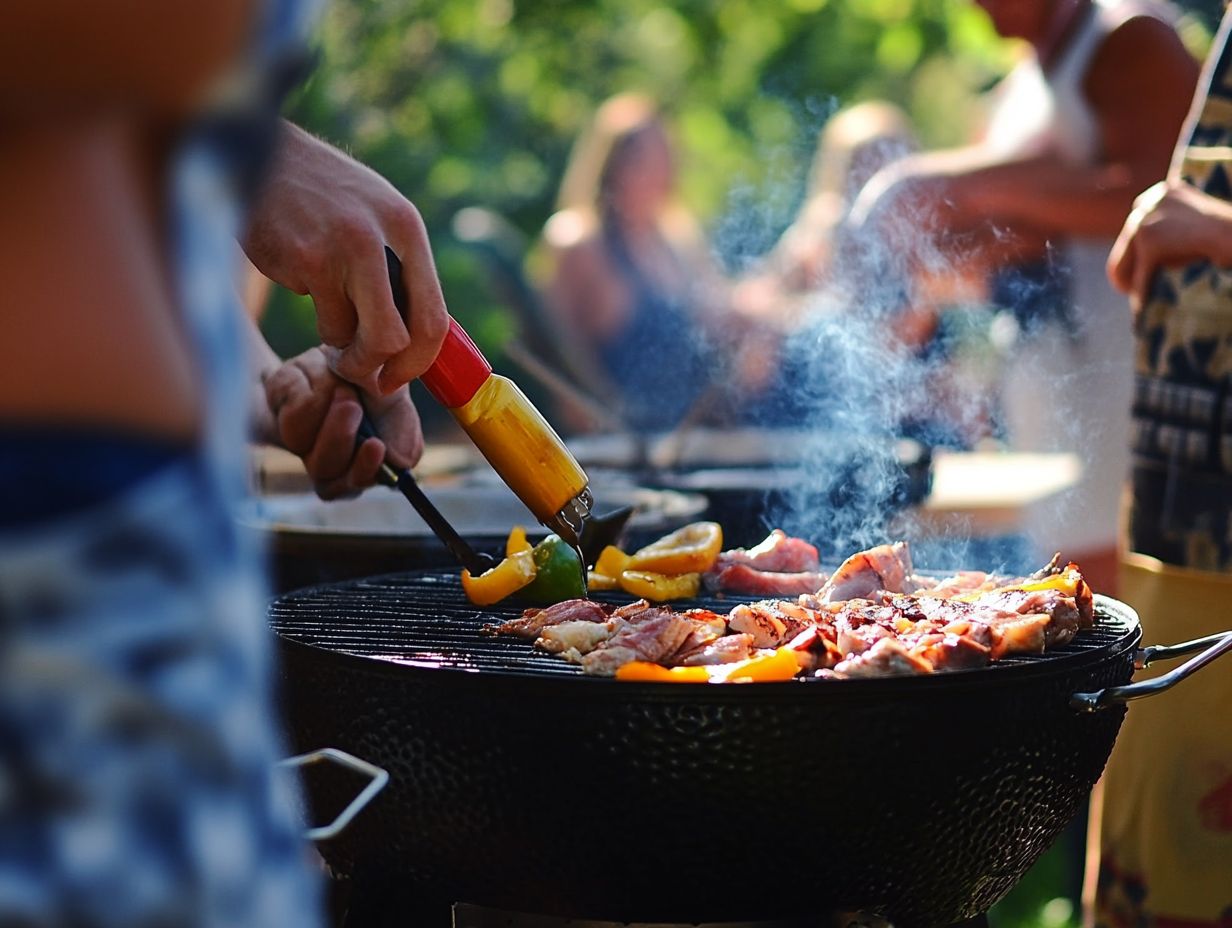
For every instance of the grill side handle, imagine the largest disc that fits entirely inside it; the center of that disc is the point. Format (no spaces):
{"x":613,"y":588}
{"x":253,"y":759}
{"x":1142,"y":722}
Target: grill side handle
{"x":1211,"y":647}
{"x":377,"y":778}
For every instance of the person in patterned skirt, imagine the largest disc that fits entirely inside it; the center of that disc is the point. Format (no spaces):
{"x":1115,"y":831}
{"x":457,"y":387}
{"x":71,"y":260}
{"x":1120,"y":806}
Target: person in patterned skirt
{"x":1165,"y":827}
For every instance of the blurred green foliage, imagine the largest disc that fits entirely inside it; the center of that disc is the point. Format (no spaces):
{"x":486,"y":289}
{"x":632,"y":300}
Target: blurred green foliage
{"x":477,"y":102}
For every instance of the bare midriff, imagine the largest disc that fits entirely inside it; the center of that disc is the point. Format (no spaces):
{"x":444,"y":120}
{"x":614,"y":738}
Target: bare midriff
{"x":91,"y":335}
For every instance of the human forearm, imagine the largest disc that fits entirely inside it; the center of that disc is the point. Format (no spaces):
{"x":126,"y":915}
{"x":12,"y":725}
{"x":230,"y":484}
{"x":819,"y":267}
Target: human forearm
{"x":1050,"y":196}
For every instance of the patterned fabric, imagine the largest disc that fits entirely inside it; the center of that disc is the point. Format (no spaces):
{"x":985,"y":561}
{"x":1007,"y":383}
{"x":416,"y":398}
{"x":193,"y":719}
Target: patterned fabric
{"x":1165,"y":826}
{"x":137,"y":785}
{"x":1182,"y":431}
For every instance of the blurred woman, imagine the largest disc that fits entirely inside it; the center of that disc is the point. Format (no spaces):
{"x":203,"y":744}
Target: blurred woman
{"x":630,"y":274}
{"x":855,"y":144}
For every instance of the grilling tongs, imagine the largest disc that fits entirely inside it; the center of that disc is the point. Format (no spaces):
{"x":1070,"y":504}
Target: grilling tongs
{"x":515,"y":438}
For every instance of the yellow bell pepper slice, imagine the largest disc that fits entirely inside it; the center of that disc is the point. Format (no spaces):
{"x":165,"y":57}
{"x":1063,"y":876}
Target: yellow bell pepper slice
{"x":646,"y":672}
{"x":782,"y":664}
{"x":612,"y":562}
{"x":1067,"y":582}
{"x":507,"y":577}
{"x":692,"y":549}
{"x":776,"y":667}
{"x":601,"y":582}
{"x":660,"y":587}
{"x":517,"y":542}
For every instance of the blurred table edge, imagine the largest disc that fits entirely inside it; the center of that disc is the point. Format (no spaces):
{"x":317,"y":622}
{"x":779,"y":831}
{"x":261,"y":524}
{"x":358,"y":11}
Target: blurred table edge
{"x":274,"y":470}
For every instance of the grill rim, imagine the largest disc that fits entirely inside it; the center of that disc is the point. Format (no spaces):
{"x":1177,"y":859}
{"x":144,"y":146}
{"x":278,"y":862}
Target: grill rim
{"x":1034,"y":667}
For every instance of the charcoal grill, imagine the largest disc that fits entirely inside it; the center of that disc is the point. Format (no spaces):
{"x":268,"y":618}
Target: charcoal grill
{"x":519,"y":784}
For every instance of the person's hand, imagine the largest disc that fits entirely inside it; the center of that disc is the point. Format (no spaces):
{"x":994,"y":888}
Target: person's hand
{"x":319,"y":228}
{"x":1171,"y":224}
{"x":316,"y":415}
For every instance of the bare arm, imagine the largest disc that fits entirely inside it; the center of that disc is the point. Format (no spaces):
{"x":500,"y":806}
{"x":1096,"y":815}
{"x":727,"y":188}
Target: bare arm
{"x":157,"y":55}
{"x":1139,"y":86}
{"x":320,"y":227}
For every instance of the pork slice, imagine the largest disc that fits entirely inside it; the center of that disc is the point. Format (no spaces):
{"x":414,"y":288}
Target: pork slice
{"x":706,"y":627}
{"x":725,"y":650}
{"x":778,"y":553}
{"x":885,"y":567}
{"x":741,"y":578}
{"x":533,"y":621}
{"x":651,"y":638}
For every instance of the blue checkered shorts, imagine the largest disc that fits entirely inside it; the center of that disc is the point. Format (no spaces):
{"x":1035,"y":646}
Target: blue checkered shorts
{"x":137,"y":781}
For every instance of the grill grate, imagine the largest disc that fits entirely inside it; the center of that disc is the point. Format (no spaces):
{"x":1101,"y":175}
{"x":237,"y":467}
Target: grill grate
{"x":424,"y":619}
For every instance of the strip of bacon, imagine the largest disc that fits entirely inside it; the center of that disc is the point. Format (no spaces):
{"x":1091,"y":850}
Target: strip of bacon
{"x":741,"y":578}
{"x":534,"y":621}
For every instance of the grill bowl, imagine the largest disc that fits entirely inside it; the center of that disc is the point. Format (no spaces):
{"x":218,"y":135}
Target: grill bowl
{"x":516,"y":783}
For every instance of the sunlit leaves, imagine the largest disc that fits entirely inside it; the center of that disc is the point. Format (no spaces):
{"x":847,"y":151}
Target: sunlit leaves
{"x":477,"y":102}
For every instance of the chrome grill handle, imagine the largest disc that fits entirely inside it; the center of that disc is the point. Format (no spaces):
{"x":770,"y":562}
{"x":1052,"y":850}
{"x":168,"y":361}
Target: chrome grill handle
{"x":1215,"y":646}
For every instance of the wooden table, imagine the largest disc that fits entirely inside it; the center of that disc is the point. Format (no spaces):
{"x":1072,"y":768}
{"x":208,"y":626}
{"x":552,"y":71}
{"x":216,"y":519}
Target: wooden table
{"x":987,"y":493}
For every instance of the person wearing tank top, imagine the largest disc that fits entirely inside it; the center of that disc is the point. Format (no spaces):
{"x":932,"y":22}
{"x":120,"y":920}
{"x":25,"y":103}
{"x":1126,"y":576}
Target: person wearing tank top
{"x":1077,"y":129}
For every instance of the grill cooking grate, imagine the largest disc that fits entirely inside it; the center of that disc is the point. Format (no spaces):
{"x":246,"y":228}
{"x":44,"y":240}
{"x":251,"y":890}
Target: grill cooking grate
{"x":423,"y":618}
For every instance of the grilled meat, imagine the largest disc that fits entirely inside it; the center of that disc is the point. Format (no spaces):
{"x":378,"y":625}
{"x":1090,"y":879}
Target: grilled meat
{"x":778,"y":553}
{"x":725,"y":650}
{"x":741,"y":578}
{"x":885,"y":567}
{"x":897,"y":624}
{"x":534,"y":621}
{"x":770,"y":623}
{"x":653,"y":634}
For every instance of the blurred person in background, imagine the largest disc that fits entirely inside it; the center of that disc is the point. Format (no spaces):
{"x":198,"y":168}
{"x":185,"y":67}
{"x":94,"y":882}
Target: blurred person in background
{"x":630,"y":275}
{"x":137,"y":784}
{"x":1078,"y":129}
{"x":857,"y":142}
{"x":1165,"y":830}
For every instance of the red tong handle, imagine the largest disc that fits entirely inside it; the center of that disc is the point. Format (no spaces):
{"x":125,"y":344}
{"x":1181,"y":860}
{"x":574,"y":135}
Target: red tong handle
{"x":460,"y":368}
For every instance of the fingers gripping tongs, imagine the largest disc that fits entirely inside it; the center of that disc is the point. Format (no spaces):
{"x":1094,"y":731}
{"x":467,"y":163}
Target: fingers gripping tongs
{"x":516,"y":440}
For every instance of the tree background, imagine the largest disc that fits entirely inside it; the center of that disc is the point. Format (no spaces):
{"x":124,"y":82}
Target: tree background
{"x":477,"y":102}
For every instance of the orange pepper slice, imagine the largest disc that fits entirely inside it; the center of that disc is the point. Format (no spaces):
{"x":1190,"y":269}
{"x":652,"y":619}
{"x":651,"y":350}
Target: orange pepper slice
{"x":775,"y":667}
{"x":646,"y":672}
{"x":612,"y":562}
